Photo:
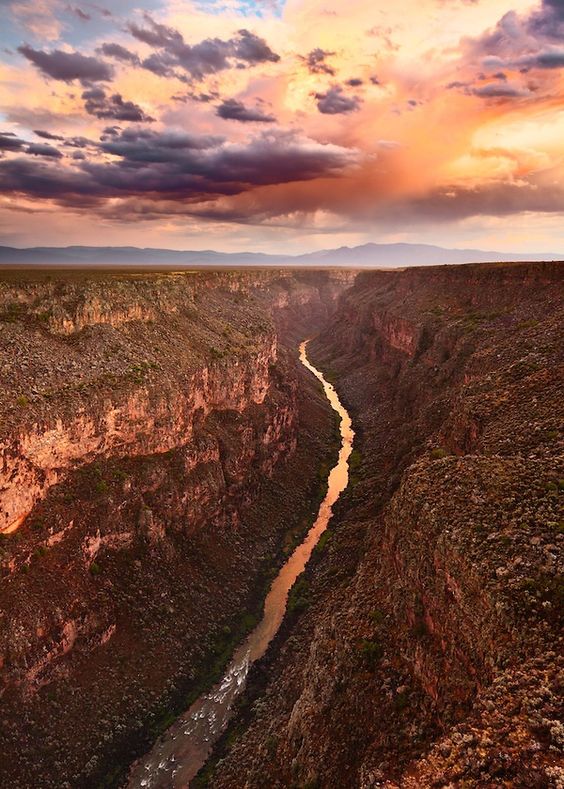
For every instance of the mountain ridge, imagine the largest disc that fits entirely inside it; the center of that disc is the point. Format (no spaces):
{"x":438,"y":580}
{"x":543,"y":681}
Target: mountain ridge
{"x":366,"y":255}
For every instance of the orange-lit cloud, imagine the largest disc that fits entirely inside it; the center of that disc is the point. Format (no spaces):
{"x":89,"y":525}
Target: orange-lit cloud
{"x":263,"y":122}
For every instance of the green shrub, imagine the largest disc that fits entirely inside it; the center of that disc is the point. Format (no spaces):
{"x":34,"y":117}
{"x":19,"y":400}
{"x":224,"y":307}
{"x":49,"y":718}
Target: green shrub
{"x":400,"y":701}
{"x":377,"y":616}
{"x":298,"y":599}
{"x":438,"y":453}
{"x":95,"y":569}
{"x":323,"y":540}
{"x":355,"y":460}
{"x":371,"y":651}
{"x":101,"y":486}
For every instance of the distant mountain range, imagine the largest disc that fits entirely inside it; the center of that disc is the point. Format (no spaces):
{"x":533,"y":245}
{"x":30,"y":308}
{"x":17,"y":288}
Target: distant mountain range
{"x":368,"y":255}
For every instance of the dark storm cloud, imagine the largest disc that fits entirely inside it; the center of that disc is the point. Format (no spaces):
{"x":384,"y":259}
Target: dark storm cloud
{"x":207,"y":57}
{"x":500,"y":90}
{"x":545,"y":59}
{"x":354,"y":82}
{"x":67,"y":66}
{"x":82,"y":15}
{"x":162,"y":64}
{"x":231,"y":109}
{"x":316,"y":62}
{"x":183,"y":165}
{"x":9,"y":142}
{"x":157,"y":35}
{"x":118,"y":52}
{"x":548,"y":21}
{"x":42,"y":149}
{"x":46,"y":135}
{"x":336,"y":102}
{"x":203,"y":98}
{"x":79,"y":142}
{"x":252,"y":49}
{"x":144,"y":145}
{"x":39,"y":179}
{"x":526,"y":42}
{"x":97,"y":103}
{"x":178,"y":167}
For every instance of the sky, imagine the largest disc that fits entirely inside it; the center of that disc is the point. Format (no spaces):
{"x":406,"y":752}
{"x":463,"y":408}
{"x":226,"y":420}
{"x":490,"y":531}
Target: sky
{"x":282,"y":126}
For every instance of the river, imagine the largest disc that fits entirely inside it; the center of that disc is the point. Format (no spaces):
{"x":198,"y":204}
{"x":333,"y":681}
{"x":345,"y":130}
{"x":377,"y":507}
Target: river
{"x":185,"y":747}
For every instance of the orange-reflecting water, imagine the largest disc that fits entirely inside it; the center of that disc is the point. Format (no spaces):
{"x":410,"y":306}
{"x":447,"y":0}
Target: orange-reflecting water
{"x":185,"y":747}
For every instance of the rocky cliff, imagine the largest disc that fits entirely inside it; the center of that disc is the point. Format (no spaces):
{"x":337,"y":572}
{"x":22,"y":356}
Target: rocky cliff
{"x":424,"y":648}
{"x":146,"y":495}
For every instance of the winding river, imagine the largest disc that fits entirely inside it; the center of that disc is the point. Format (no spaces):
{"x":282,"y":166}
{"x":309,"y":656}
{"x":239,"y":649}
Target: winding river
{"x":185,"y":747}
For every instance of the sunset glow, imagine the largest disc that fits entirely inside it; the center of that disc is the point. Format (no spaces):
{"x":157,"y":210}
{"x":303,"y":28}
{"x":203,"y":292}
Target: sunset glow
{"x":282,"y":126}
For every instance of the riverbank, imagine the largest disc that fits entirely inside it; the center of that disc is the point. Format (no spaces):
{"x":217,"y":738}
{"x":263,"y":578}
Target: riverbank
{"x":186,"y":746}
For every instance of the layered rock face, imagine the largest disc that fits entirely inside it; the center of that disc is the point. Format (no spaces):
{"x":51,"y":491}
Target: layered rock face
{"x":146,"y":490}
{"x":425,"y":648}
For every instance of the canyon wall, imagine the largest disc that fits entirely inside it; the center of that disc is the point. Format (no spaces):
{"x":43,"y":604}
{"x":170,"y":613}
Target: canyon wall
{"x":423,"y":648}
{"x":159,"y":451}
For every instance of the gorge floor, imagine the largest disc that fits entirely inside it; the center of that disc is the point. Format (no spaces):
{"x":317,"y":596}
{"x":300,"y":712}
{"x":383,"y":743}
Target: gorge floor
{"x":183,"y":750}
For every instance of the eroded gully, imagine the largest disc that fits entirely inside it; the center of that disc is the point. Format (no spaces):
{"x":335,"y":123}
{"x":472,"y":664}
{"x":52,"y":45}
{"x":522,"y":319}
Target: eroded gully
{"x":185,"y":747}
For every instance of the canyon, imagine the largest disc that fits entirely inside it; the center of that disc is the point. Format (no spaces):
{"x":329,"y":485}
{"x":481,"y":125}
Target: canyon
{"x":163,"y":451}
{"x":426,"y":649}
{"x":146,"y":497}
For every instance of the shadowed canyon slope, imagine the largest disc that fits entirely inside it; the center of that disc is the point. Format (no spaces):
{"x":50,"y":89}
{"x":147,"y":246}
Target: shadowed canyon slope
{"x":425,"y":649}
{"x":162,"y":451}
{"x":146,"y":496}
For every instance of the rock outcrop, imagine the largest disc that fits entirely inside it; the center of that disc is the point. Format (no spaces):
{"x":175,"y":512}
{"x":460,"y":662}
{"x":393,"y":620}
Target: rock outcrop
{"x":146,"y":496}
{"x":426,"y":650}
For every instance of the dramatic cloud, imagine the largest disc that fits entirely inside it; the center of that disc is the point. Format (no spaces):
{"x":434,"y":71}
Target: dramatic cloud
{"x":82,"y":15}
{"x":208,"y":162}
{"x":9,"y":142}
{"x":97,"y":103}
{"x":252,"y":49}
{"x":67,"y":66}
{"x":316,"y":62}
{"x":524,"y":42}
{"x":42,"y":149}
{"x":119,"y":52}
{"x":46,"y":135}
{"x":336,"y":102}
{"x":548,"y":22}
{"x":496,"y":90}
{"x":231,"y":109}
{"x":207,"y":57}
{"x":376,"y":119}
{"x":501,"y":89}
{"x":544,"y":59}
{"x":181,"y":167}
